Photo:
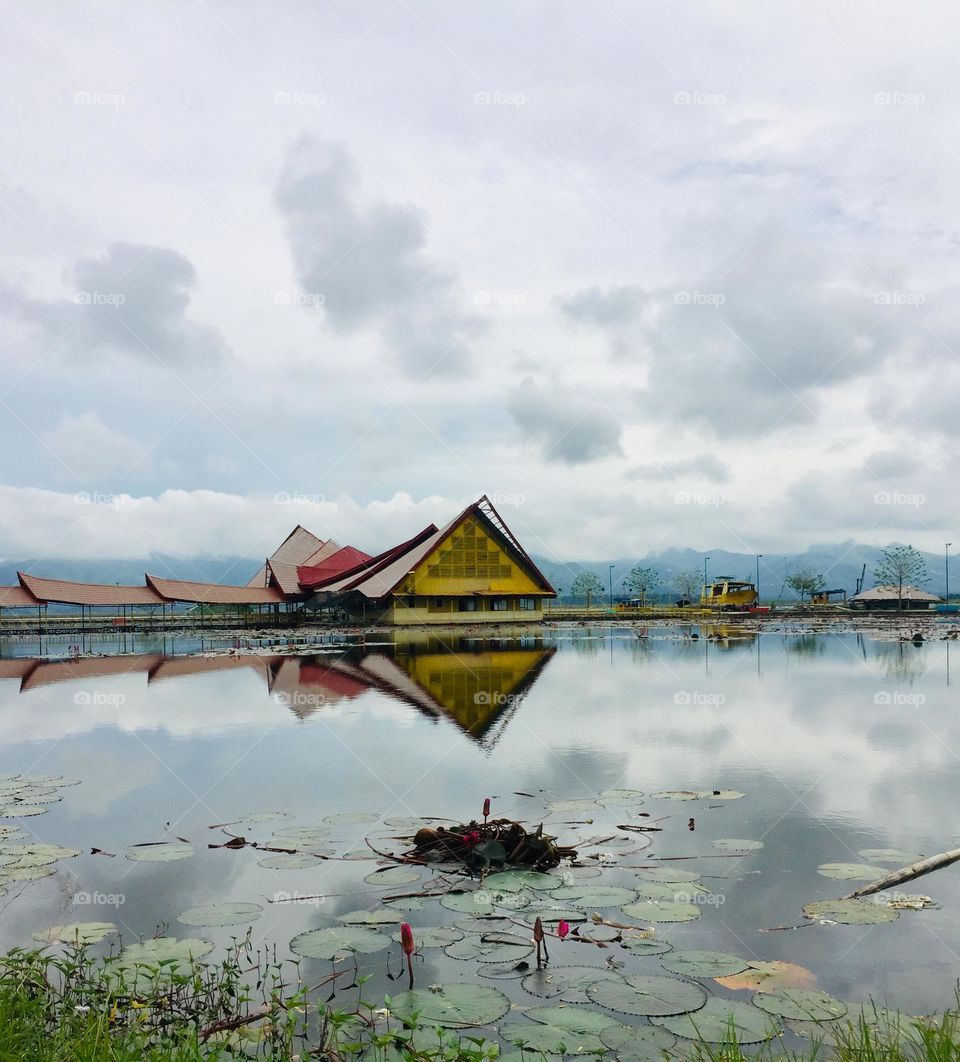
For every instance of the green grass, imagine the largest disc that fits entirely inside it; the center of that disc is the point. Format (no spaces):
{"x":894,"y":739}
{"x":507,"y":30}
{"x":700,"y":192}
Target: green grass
{"x":70,"y":1007}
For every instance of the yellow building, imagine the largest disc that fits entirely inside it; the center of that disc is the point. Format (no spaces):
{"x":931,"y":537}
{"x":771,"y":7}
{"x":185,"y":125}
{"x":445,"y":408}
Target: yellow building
{"x":471,"y":571}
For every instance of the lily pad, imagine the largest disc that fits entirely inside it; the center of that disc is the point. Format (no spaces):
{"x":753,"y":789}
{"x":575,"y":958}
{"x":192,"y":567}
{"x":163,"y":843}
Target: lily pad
{"x":433,"y":936}
{"x":393,"y":876}
{"x":662,"y":911}
{"x":495,"y":946}
{"x":568,"y":982}
{"x":164,"y":957}
{"x":714,"y":1023}
{"x":679,"y":891}
{"x":165,"y":852}
{"x":289,"y":861}
{"x":351,"y":818}
{"x":768,"y":976}
{"x":594,"y":896}
{"x":221,"y":914}
{"x":381,"y":916}
{"x":666,"y":875}
{"x":37,"y":854}
{"x":644,"y":1043}
{"x":22,"y":811}
{"x":807,"y":1004}
{"x":889,"y":855}
{"x":24,"y":873}
{"x":549,"y":1040}
{"x":572,"y":1019}
{"x":518,"y":880}
{"x":570,"y":807}
{"x":483,"y":901}
{"x":852,"y":871}
{"x":854,"y":912}
{"x":554,"y":914}
{"x":646,"y":945}
{"x":705,"y":963}
{"x":338,"y":940}
{"x":76,"y":933}
{"x":451,"y":1005}
{"x":737,"y":844}
{"x":637,"y":994}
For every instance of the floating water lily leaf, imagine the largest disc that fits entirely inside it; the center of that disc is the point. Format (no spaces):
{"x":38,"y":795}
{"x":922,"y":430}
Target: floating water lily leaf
{"x":737,"y":844}
{"x":666,"y":874}
{"x":571,"y":874}
{"x":554,"y":914}
{"x":485,"y":924}
{"x":495,"y":946}
{"x":360,"y":854}
{"x":165,"y":957}
{"x":289,"y":861}
{"x":854,"y":912}
{"x":910,"y":902}
{"x":433,"y":936}
{"x":851,"y":871}
{"x":568,"y":982}
{"x":76,"y":933}
{"x":549,"y":1040}
{"x":451,"y":1005}
{"x":808,"y":1004}
{"x":714,"y":1022}
{"x":382,"y":916}
{"x":221,"y":914}
{"x":393,"y":876}
{"x":300,"y":835}
{"x":407,"y":822}
{"x":572,"y":1019}
{"x":680,"y":794}
{"x":265,"y":816}
{"x":705,"y":963}
{"x":680,"y":892}
{"x":22,"y":811}
{"x":164,"y":852}
{"x":621,"y":796}
{"x":517,"y":880}
{"x":644,"y":1043}
{"x":338,"y":940}
{"x":483,"y":901}
{"x":511,"y":972}
{"x":594,"y":896}
{"x":568,"y":807}
{"x":37,"y":854}
{"x":646,"y":995}
{"x":351,"y":818}
{"x":768,"y":976}
{"x":662,"y":911}
{"x":407,"y":903}
{"x":641,"y":945}
{"x":24,"y":873}
{"x":600,"y":932}
{"x":889,"y":855}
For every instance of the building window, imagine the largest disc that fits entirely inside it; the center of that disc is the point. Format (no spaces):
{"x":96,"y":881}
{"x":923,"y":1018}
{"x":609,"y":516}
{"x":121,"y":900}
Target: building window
{"x":498,"y":604}
{"x":437,"y":604}
{"x":528,"y":604}
{"x":467,"y":604}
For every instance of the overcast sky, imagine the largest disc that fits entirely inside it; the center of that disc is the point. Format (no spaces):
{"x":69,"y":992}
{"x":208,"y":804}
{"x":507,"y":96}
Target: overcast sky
{"x":649,"y":274}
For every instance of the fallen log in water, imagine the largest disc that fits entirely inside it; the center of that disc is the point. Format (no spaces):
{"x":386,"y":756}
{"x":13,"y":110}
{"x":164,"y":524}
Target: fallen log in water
{"x":915,"y":870}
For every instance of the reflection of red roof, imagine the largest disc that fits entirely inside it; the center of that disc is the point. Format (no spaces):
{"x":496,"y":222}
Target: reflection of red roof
{"x":16,"y":597}
{"x":330,"y":679}
{"x":48,"y":672}
{"x":180,"y":666}
{"x":63,"y":592}
{"x":214,"y":593}
{"x":336,"y":564}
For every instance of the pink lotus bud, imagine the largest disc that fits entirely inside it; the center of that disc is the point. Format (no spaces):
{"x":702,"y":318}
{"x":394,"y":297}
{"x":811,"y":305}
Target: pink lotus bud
{"x":406,"y":938}
{"x":538,"y":930}
{"x":563,"y":929}
{"x":486,"y":807}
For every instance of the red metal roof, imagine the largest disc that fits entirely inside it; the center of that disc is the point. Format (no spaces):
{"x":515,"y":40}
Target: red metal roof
{"x":62,"y":592}
{"x":299,"y":547}
{"x":17,"y":597}
{"x":214,"y":593}
{"x":336,"y":564}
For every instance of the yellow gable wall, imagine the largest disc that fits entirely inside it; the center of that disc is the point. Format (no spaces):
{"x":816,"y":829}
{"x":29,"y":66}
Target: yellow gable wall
{"x":469,"y":561}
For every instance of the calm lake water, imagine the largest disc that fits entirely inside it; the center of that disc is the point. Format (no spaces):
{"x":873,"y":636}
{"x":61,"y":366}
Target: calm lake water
{"x":838,"y":742}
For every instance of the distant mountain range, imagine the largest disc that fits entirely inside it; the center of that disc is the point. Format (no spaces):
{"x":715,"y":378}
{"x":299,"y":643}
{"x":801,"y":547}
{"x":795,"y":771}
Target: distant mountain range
{"x":840,"y":565}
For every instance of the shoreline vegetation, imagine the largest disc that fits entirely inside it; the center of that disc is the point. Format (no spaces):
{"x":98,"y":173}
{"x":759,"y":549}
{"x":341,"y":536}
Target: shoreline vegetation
{"x":70,"y":1006}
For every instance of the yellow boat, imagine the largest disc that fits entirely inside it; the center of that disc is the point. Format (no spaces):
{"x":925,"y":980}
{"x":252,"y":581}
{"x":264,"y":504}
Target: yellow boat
{"x":727,"y":593}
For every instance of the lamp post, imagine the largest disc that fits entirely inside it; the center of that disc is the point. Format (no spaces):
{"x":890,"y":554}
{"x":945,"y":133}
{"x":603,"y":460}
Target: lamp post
{"x":705,"y":559}
{"x":946,"y":571}
{"x":610,"y":584}
{"x":759,"y":555}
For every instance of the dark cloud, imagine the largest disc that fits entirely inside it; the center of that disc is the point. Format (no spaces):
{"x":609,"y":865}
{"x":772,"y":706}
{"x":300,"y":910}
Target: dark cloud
{"x":568,"y":426}
{"x":366,"y":265}
{"x":131,"y":301}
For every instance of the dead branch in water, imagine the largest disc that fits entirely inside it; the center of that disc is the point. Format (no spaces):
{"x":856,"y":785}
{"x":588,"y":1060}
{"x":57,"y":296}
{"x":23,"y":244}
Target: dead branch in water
{"x":915,"y":870}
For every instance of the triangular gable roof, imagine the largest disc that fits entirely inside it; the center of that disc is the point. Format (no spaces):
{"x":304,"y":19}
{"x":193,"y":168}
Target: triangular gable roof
{"x":299,"y":547}
{"x":382,"y":576}
{"x":344,"y":560}
{"x":346,"y":580}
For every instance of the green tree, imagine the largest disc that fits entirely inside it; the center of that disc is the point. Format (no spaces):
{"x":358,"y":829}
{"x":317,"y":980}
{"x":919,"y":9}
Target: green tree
{"x":900,"y":567}
{"x":690,"y":584}
{"x":805,"y":581}
{"x":586,"y":585}
{"x":641,"y":581}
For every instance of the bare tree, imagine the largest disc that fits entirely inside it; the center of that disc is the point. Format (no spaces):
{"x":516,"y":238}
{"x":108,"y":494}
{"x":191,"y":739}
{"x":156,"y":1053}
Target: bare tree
{"x":690,"y":583}
{"x":586,"y":585}
{"x":805,"y":581}
{"x":642,"y":581}
{"x":900,"y":567}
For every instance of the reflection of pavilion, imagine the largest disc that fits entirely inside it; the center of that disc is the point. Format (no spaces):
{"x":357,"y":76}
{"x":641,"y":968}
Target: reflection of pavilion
{"x":476,"y":685}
